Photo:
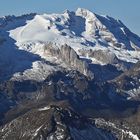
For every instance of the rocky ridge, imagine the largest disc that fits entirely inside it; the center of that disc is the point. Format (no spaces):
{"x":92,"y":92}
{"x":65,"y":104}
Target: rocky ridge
{"x":78,"y":60}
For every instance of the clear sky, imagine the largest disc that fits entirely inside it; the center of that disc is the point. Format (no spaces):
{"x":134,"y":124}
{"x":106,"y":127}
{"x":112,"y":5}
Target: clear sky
{"x":126,"y":10}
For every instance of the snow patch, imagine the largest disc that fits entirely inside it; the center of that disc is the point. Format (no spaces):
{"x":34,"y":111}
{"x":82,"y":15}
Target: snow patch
{"x":44,"y":108}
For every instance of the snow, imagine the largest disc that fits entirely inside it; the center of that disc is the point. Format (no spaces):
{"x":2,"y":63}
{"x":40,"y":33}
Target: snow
{"x":135,"y":137}
{"x":36,"y":132}
{"x":82,"y":30}
{"x":130,"y":134}
{"x":37,"y":31}
{"x":44,"y":108}
{"x":39,"y":72}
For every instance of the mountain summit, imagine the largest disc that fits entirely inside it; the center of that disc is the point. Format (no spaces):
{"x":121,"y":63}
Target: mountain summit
{"x":100,"y":39}
{"x":81,"y":26}
{"x":67,"y":75}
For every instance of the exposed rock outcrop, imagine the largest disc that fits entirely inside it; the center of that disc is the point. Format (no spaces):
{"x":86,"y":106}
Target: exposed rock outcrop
{"x":53,"y":122}
{"x":128,"y":83}
{"x":66,"y":54}
{"x":62,"y":123}
{"x":104,"y":56}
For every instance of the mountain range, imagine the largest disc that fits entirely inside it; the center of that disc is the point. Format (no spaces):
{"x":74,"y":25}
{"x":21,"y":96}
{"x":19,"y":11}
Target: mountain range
{"x":69,"y":76}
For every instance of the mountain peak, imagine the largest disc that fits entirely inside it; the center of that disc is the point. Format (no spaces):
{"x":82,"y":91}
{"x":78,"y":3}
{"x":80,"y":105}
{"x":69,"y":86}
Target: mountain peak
{"x":92,"y":23}
{"x":88,"y":34}
{"x":84,"y":12}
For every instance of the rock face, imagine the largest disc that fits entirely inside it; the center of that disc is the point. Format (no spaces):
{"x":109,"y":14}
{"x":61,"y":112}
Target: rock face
{"x":78,"y":93}
{"x":70,"y":57}
{"x":128,"y":83}
{"x":72,"y":86}
{"x":105,"y":57}
{"x":53,"y":122}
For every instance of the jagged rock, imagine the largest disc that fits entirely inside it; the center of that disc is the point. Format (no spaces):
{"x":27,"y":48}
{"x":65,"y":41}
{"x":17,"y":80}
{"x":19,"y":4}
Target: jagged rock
{"x":70,"y":57}
{"x":53,"y":122}
{"x":128,"y":83}
{"x":104,"y":56}
{"x":59,"y":122}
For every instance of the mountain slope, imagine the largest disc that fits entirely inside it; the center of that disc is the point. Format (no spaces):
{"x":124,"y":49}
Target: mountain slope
{"x":88,"y":61}
{"x":92,"y":37}
{"x":53,"y":123}
{"x":129,"y":82}
{"x":59,"y":123}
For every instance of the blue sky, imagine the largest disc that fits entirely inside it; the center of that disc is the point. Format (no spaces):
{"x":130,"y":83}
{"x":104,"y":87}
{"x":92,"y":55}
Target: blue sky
{"x":126,"y":10}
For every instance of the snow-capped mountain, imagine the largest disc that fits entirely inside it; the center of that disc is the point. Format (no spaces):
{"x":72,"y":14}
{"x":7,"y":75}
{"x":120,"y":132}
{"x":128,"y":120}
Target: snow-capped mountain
{"x":89,"y":34}
{"x":77,"y":59}
{"x":82,"y":27}
{"x":80,"y":30}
